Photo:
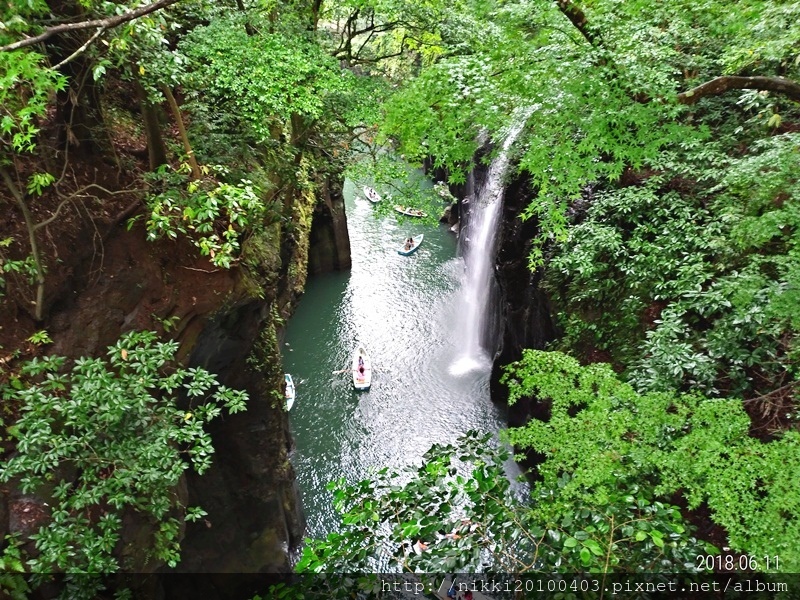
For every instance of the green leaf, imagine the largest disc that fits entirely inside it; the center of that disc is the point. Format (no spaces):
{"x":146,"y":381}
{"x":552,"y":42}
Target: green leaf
{"x":594,"y":547}
{"x":586,"y":557}
{"x":570,"y":542}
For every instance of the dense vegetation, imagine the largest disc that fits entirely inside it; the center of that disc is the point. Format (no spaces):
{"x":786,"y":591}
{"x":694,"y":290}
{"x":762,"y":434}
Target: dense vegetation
{"x":229,"y":154}
{"x":662,"y":152}
{"x":662,"y":148}
{"x":117,"y":424}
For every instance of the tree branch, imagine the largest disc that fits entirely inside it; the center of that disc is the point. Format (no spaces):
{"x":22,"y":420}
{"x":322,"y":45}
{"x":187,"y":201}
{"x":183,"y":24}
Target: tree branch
{"x":779,"y":390}
{"x":53,"y":217}
{"x":578,"y":19}
{"x":107,"y":23}
{"x":86,"y":44}
{"x":715,"y":87}
{"x":720,"y":85}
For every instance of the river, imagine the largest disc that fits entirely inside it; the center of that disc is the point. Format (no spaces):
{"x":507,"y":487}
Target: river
{"x":405,"y":311}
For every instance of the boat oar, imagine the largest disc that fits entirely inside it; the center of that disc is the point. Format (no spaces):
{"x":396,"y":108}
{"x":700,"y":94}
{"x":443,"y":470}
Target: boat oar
{"x":340,"y":372}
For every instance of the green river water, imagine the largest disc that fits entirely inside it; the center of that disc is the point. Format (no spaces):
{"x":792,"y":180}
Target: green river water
{"x":405,"y":310}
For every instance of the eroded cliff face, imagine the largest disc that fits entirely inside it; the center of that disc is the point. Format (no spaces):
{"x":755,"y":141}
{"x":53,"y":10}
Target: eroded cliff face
{"x":524,"y":307}
{"x":229,"y":322}
{"x":255,"y":518}
{"x":330,"y":243}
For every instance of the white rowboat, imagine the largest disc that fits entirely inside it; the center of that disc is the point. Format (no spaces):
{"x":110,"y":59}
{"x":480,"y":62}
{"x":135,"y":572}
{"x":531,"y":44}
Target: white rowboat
{"x":290,"y":391}
{"x":362,"y":369}
{"x":371,"y":194}
{"x":409,"y":212}
{"x":407,"y":249}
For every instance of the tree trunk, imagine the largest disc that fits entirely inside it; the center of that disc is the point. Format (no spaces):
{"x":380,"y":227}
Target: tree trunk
{"x":80,"y":114}
{"x":31,"y":227}
{"x":247,"y":27}
{"x":156,"y":150}
{"x":316,"y":8}
{"x":187,"y":147}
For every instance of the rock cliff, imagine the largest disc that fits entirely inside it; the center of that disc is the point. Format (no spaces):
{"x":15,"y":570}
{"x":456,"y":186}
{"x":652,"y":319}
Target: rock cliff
{"x":227,"y":321}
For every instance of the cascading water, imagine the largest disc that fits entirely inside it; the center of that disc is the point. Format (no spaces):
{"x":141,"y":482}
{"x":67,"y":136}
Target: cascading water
{"x":478,"y":241}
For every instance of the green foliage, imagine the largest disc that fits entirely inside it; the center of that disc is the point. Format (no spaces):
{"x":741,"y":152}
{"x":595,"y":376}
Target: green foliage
{"x":585,"y":122}
{"x":284,"y":76}
{"x":25,"y":89}
{"x":384,"y":518}
{"x":456,"y":512}
{"x":40,"y":338}
{"x":688,"y":278}
{"x":38,"y":182}
{"x":26,"y":267}
{"x":215,"y":215}
{"x":602,"y":99}
{"x":13,"y":585}
{"x":697,"y":286}
{"x":636,"y":246}
{"x":388,"y":37}
{"x":603,"y":436}
{"x":106,"y":439}
{"x":397,"y":183}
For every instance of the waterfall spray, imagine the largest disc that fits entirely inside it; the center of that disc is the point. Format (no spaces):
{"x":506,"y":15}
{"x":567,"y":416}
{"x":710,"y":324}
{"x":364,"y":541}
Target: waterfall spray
{"x":478,"y":341}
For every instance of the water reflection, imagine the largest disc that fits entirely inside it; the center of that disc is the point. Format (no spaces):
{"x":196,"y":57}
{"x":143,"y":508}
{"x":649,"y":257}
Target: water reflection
{"x":404,"y":310}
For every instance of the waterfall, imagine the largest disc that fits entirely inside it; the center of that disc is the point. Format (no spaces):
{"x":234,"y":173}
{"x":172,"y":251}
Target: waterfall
{"x":478,"y":326}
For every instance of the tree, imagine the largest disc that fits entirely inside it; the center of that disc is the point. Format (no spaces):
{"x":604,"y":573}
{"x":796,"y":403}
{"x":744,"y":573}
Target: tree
{"x":30,"y":79}
{"x":100,"y":25}
{"x":610,"y":88}
{"x":601,"y":436}
{"x":457,"y":512}
{"x":107,"y":440}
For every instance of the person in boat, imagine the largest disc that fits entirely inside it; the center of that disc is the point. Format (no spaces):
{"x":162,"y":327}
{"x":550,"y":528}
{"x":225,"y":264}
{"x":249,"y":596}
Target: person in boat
{"x":361,"y":365}
{"x":409,"y":243}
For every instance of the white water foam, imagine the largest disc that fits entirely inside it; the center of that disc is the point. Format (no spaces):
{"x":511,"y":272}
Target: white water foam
{"x":479,"y":258}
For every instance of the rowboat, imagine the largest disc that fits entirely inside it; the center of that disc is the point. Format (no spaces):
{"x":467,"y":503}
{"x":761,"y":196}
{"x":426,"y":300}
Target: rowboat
{"x":362,"y":369}
{"x":409,"y":212}
{"x":371,"y":194}
{"x":410,"y":248}
{"x":290,"y":391}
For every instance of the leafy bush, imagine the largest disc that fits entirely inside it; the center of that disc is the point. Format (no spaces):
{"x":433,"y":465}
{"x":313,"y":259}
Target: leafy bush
{"x":106,"y":437}
{"x":217,"y":214}
{"x":25,"y":89}
{"x":605,"y":437}
{"x":691,"y":289}
{"x":636,"y":246}
{"x":743,"y":323}
{"x":457,"y":512}
{"x":285,"y":75}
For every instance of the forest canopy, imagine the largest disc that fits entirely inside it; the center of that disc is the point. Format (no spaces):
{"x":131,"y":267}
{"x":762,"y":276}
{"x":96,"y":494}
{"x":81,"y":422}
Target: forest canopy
{"x":661,"y":154}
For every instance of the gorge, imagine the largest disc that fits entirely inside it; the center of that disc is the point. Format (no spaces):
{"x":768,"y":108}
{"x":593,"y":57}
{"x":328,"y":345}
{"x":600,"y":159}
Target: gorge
{"x":182,"y":225}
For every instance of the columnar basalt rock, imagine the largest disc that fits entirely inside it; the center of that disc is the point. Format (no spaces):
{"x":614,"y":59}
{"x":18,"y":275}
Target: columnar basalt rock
{"x":329,"y":244}
{"x":525,"y":308}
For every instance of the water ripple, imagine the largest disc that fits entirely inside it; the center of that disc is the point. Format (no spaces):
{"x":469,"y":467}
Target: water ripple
{"x":405,"y":311}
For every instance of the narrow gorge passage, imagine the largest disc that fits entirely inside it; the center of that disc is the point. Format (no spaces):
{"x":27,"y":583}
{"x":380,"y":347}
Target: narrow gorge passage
{"x":405,"y":310}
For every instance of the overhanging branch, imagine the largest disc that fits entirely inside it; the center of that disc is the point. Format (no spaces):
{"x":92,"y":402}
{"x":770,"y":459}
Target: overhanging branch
{"x":107,"y":23}
{"x":714,"y":87}
{"x":719,"y":85}
{"x":577,"y":17}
